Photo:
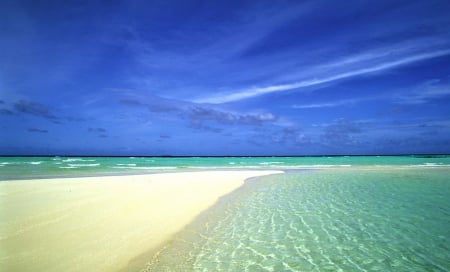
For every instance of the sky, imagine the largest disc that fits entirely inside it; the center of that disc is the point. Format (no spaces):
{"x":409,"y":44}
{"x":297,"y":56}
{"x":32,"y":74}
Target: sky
{"x":224,"y":77}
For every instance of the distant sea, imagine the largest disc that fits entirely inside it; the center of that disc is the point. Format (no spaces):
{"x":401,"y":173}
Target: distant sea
{"x":356,"y":213}
{"x":49,"y":167}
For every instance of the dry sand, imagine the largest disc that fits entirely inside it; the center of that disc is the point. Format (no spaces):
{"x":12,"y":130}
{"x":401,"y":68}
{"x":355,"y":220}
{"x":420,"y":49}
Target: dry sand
{"x":102,"y":223}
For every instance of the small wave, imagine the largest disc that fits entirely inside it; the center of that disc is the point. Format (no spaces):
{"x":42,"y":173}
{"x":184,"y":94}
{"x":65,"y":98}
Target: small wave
{"x":126,"y":164}
{"x":324,"y":165}
{"x":145,"y":168}
{"x":430,"y":164}
{"x":77,"y":160}
{"x":84,"y":165}
{"x":225,"y":167}
{"x":35,"y":162}
{"x":270,"y":163}
{"x":71,"y":160}
{"x":68,"y":167}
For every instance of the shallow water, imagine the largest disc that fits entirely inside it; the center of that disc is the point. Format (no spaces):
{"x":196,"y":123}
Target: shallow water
{"x":326,"y":220}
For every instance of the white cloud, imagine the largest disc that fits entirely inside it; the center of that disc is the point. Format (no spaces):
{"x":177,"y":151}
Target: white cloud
{"x":327,"y":104}
{"x":424,"y":93}
{"x":257,"y":91}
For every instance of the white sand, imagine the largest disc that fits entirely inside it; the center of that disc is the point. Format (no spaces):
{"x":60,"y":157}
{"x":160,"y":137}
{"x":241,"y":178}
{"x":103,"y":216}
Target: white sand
{"x":102,"y":223}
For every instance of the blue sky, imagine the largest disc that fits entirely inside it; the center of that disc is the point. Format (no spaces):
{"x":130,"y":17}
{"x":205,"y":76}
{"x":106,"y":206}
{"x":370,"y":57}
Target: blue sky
{"x":224,"y":77}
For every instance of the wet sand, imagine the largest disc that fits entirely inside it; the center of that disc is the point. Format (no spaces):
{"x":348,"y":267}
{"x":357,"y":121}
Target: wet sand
{"x":102,"y":223}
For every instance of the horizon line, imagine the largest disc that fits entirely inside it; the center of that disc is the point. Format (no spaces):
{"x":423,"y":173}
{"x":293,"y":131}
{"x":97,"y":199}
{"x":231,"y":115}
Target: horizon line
{"x":234,"y":156}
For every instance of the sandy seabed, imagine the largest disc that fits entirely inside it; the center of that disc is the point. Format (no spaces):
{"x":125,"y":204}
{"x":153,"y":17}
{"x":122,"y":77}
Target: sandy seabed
{"x":102,"y":223}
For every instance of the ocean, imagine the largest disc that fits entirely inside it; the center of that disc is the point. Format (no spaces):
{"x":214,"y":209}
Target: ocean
{"x":323,"y":214}
{"x":48,"y":167}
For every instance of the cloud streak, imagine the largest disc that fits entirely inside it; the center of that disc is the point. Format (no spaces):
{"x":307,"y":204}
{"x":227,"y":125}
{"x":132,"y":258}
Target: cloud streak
{"x":97,"y":130}
{"x":224,"y":117}
{"x":6,"y":112}
{"x":198,"y":114}
{"x":425,"y":93}
{"x":36,"y":109}
{"x":254,"y":92}
{"x":336,"y":103}
{"x":37,"y":130}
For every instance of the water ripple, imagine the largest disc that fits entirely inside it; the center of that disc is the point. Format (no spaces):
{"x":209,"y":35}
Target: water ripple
{"x":393,"y":220}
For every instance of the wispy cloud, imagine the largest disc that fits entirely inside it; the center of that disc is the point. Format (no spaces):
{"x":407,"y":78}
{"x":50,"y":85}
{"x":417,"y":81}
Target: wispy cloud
{"x":203,"y":55}
{"x":199,"y":125}
{"x":198,"y":114}
{"x":6,"y":112}
{"x":321,"y":105}
{"x":253,"y":92}
{"x":336,"y":103}
{"x":224,"y":117}
{"x":97,"y":130}
{"x":37,"y":130}
{"x":342,"y":132}
{"x":425,"y":93}
{"x":100,"y":132}
{"x":36,"y":109}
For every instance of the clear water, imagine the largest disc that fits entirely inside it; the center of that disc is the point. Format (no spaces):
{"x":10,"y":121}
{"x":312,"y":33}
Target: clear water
{"x":43,"y":167}
{"x":323,"y":214}
{"x":322,"y":220}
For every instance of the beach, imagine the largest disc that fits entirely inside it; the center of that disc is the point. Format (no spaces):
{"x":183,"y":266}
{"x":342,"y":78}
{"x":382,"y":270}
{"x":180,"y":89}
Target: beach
{"x":107,"y":223}
{"x":347,"y":213}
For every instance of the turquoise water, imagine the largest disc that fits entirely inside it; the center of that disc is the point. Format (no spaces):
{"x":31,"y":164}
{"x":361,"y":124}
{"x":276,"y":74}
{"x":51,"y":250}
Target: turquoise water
{"x":324,"y":214}
{"x":326,"y":220}
{"x":42,"y":167}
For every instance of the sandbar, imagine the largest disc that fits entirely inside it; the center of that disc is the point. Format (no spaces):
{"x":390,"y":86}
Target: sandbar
{"x":106,"y":223}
